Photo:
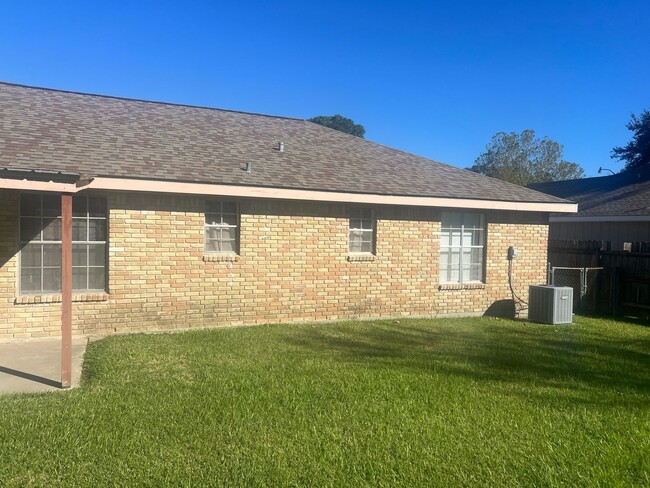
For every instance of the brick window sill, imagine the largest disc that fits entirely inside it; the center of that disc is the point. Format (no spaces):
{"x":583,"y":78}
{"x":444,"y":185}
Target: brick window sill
{"x":77,"y":297}
{"x":462,"y":286}
{"x":221,"y":257}
{"x":361,"y":258}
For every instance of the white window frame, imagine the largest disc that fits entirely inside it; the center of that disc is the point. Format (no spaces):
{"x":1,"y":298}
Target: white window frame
{"x":462,"y":247}
{"x":366,"y":218}
{"x":87,"y":242}
{"x":218,"y":215}
{"x":57,"y":243}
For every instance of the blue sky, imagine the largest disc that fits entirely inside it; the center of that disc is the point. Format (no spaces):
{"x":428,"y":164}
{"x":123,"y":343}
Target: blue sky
{"x":433,"y":78}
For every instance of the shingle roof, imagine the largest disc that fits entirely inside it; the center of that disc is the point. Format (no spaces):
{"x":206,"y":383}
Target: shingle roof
{"x":622,"y":194}
{"x":51,"y":130}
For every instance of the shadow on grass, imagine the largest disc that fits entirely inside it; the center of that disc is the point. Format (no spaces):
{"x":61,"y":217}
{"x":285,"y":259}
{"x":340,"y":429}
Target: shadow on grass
{"x":619,"y":319}
{"x":565,"y":358}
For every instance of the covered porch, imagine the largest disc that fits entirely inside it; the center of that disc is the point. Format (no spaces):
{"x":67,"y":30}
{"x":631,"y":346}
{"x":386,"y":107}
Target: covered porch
{"x":49,"y":362}
{"x":34,"y":365}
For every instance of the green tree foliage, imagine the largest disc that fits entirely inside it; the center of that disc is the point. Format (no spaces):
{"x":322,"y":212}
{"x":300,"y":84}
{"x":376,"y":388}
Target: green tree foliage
{"x":523,"y":159}
{"x":637,"y":152}
{"x":340,"y":123}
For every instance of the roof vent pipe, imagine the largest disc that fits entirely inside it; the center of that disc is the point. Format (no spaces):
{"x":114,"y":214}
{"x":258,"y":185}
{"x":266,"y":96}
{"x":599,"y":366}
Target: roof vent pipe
{"x":281,"y":146}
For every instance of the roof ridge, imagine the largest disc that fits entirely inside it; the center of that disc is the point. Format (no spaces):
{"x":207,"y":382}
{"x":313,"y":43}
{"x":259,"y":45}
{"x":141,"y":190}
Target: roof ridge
{"x":142,"y":100}
{"x":417,"y":156}
{"x":353,"y":137}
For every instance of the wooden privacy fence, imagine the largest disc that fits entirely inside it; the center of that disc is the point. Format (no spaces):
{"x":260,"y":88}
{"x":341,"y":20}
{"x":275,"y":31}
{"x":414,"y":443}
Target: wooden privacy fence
{"x":576,"y":254}
{"x":622,"y":287}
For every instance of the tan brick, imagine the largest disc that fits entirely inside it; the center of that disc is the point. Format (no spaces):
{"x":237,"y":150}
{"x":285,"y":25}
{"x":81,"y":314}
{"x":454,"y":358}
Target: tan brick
{"x":292,"y":267}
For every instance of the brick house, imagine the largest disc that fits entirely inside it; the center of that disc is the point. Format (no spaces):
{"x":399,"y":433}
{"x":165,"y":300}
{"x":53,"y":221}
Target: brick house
{"x":177,"y":216}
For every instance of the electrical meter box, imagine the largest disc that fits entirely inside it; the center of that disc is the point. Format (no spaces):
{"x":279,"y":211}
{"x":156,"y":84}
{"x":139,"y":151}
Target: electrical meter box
{"x":550,"y":304}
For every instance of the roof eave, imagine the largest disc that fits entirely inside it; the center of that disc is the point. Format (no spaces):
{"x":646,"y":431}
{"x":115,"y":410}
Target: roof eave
{"x":39,"y":180}
{"x":598,"y":218}
{"x":208,"y":189}
{"x":74,"y":183}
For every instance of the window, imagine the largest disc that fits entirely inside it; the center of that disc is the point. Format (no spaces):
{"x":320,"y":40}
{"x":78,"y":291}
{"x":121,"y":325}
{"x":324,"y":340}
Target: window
{"x":221,"y":228}
{"x":362,"y":231}
{"x":462,"y":245}
{"x":88,"y":243}
{"x":40,"y":243}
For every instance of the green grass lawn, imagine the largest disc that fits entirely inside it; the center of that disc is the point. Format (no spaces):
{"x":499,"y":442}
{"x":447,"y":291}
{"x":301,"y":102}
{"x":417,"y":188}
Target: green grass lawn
{"x":408,"y":402}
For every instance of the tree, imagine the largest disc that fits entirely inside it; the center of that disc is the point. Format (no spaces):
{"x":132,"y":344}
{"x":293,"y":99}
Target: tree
{"x":637,"y":152}
{"x":340,"y":123}
{"x":523,"y":159}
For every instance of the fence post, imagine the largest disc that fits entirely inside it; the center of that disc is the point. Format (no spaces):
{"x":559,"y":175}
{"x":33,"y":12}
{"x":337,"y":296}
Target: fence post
{"x":615,"y":280}
{"x":611,"y":291}
{"x":553,"y":276}
{"x":583,"y":272}
{"x":596,"y":286}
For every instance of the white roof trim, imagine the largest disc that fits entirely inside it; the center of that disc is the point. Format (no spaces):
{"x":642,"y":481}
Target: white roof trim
{"x":323,"y":196}
{"x":600,"y":218}
{"x":13,"y":184}
{"x":152,"y":186}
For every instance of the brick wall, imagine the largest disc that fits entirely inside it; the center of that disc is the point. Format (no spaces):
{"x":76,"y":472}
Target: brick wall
{"x":292,"y":266}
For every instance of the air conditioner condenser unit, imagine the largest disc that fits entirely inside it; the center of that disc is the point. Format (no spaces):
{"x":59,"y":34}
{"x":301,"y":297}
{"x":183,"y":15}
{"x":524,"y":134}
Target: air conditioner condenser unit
{"x":550,"y":304}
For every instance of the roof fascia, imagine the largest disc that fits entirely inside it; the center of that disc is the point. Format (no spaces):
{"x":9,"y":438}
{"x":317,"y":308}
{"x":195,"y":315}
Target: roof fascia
{"x":35,"y":185}
{"x":600,"y":218}
{"x":136,"y":185}
{"x":152,"y":186}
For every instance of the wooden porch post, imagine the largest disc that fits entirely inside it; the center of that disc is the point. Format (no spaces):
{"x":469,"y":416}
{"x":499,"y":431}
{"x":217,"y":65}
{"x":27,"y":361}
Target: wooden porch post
{"x":66,"y":290}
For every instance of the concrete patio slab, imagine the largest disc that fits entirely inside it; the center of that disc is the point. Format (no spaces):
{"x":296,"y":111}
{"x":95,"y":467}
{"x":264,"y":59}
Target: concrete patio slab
{"x":35,"y":365}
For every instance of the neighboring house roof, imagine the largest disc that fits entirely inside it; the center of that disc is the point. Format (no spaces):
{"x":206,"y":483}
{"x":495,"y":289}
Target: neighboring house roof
{"x":102,"y":136}
{"x":625,"y":194}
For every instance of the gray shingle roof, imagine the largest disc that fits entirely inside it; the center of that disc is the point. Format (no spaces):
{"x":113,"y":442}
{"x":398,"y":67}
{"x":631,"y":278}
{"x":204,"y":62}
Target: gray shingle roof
{"x":622,"y":194}
{"x":43,"y":129}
